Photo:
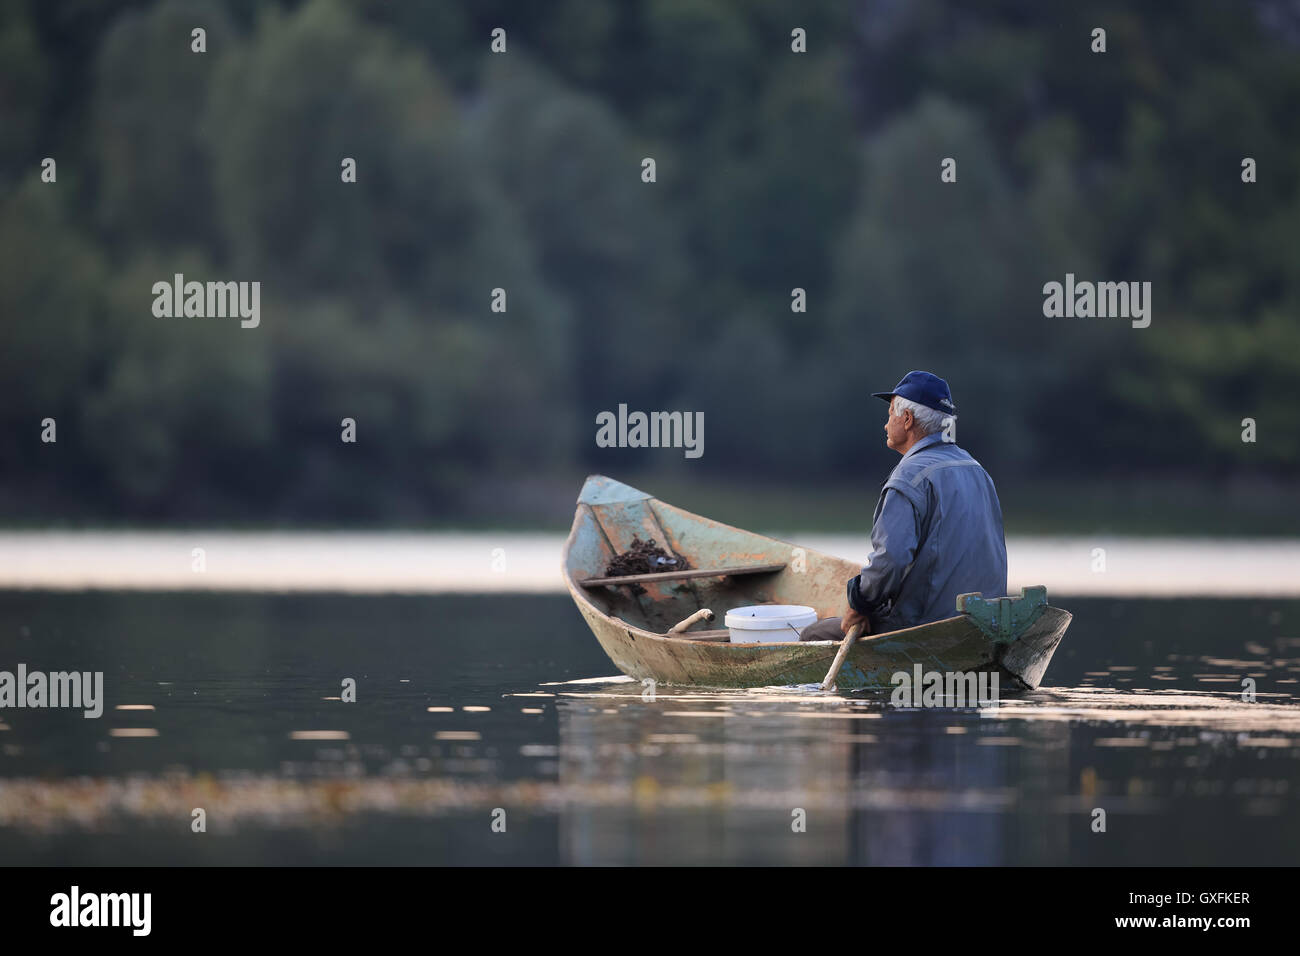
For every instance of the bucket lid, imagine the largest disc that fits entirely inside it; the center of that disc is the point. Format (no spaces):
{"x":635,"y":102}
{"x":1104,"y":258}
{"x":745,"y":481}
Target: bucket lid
{"x":770,"y":617}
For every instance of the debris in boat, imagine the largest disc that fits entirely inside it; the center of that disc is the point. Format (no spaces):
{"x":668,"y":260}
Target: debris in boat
{"x":643,"y":557}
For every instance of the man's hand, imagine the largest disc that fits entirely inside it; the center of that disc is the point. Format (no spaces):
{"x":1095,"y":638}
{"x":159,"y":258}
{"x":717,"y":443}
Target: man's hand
{"x":851,"y":618}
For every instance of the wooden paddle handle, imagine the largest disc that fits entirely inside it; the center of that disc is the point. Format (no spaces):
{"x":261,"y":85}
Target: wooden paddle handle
{"x":854,"y":633}
{"x":703,"y":614}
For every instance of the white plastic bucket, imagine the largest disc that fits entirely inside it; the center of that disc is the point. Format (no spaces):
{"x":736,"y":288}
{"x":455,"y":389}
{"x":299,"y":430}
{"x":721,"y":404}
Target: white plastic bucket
{"x":768,"y":623}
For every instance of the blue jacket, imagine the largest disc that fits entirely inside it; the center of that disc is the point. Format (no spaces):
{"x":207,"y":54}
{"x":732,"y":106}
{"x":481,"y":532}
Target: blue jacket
{"x":937,"y":533}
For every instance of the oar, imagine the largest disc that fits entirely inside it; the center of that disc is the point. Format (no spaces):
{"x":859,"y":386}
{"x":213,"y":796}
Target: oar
{"x":854,"y":633}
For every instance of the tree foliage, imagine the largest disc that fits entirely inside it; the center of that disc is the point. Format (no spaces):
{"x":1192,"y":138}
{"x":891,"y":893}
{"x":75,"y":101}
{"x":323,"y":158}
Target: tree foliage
{"x":776,"y":170}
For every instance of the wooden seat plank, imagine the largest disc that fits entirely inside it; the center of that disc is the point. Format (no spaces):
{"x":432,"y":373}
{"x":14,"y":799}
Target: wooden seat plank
{"x":717,"y":635}
{"x":683,"y":575}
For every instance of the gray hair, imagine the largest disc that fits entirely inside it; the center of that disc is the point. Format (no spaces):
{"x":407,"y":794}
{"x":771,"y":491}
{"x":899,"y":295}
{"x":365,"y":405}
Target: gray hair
{"x":928,"y":420}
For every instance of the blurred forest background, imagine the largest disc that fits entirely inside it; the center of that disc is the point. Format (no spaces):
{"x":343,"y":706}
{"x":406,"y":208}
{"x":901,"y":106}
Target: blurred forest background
{"x":776,"y":170}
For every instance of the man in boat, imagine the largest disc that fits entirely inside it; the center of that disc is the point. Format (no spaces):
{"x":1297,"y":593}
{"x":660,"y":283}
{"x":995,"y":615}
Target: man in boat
{"x":937,"y":530}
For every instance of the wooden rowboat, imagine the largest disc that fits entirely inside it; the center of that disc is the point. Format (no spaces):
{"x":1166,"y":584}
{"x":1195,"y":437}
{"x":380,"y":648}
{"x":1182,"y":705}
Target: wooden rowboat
{"x":632,"y":615}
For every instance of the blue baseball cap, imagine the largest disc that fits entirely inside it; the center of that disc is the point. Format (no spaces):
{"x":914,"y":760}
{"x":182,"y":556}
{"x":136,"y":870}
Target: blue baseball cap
{"x":924,"y":389}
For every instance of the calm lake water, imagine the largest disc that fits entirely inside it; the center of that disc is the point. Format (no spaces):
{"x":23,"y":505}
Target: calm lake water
{"x":472,"y":710}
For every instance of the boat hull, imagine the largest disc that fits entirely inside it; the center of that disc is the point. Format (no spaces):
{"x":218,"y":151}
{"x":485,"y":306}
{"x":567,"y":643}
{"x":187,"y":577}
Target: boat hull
{"x":953,"y":645}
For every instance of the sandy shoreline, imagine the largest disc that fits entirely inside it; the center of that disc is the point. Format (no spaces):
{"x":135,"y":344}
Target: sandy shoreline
{"x":488,"y":562}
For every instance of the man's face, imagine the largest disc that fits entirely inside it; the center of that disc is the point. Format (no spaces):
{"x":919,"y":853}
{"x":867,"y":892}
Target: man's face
{"x":896,"y":427}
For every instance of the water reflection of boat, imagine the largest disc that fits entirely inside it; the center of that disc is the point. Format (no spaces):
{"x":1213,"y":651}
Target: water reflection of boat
{"x":781,"y":777}
{"x":720,"y":787}
{"x":729,"y":567}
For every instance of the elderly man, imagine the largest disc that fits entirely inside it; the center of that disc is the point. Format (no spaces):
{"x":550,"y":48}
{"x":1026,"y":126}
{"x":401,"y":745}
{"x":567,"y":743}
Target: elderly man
{"x":937,"y":530}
